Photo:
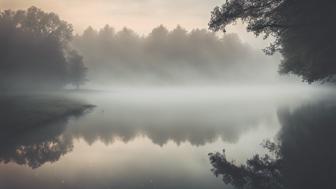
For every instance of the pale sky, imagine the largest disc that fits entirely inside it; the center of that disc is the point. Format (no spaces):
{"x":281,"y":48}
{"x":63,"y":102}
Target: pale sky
{"x":139,"y":15}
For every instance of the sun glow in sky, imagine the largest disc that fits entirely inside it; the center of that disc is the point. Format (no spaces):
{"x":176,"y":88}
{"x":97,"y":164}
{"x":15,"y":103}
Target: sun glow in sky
{"x":141,"y":15}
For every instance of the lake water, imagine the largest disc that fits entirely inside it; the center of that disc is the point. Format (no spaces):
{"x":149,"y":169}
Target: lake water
{"x":151,"y":138}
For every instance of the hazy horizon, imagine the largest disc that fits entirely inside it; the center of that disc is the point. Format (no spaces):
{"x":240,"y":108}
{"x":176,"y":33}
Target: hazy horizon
{"x":185,"y":94}
{"x":125,"y":53}
{"x":139,"y":15}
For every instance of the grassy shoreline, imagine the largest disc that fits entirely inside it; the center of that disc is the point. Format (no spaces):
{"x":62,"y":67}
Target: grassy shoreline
{"x":26,"y":111}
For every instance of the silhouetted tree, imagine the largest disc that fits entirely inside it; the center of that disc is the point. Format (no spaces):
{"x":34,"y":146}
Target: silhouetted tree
{"x":303,"y":30}
{"x":77,"y":70}
{"x":33,"y":46}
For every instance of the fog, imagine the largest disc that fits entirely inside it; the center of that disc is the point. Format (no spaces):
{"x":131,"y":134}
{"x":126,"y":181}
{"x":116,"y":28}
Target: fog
{"x":42,"y":52}
{"x":179,"y":116}
{"x":303,"y":146}
{"x":34,"y":52}
{"x":173,"y":57}
{"x":95,"y":94}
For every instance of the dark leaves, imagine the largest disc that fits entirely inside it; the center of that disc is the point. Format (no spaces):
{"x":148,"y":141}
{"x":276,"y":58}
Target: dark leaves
{"x":303,"y":32}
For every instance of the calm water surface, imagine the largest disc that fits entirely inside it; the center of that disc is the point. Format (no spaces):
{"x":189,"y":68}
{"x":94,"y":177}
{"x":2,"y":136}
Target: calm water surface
{"x":148,"y":139}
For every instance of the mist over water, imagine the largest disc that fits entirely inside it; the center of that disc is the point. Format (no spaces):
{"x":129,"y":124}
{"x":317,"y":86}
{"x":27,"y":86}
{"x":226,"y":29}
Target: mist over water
{"x":154,"y":137}
{"x":107,"y":108}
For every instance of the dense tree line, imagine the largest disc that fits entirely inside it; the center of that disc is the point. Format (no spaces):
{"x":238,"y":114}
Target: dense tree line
{"x":303,"y":30}
{"x":174,"y":56}
{"x":35,"y":52}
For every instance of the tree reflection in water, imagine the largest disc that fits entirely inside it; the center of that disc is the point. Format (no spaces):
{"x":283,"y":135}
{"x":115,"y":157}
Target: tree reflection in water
{"x":303,"y":156}
{"x":37,"y":146}
{"x":197,"y":124}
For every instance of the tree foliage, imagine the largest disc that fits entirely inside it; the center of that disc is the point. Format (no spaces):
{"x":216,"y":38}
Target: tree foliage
{"x":77,"y":69}
{"x":33,"y":48}
{"x":303,"y":31}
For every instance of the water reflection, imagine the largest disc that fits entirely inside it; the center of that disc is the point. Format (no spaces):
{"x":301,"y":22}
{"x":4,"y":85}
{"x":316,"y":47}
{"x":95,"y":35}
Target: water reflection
{"x":308,"y":145}
{"x":153,"y":142}
{"x":197,"y":121}
{"x":38,"y":145}
{"x":197,"y":129}
{"x":304,"y":152}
